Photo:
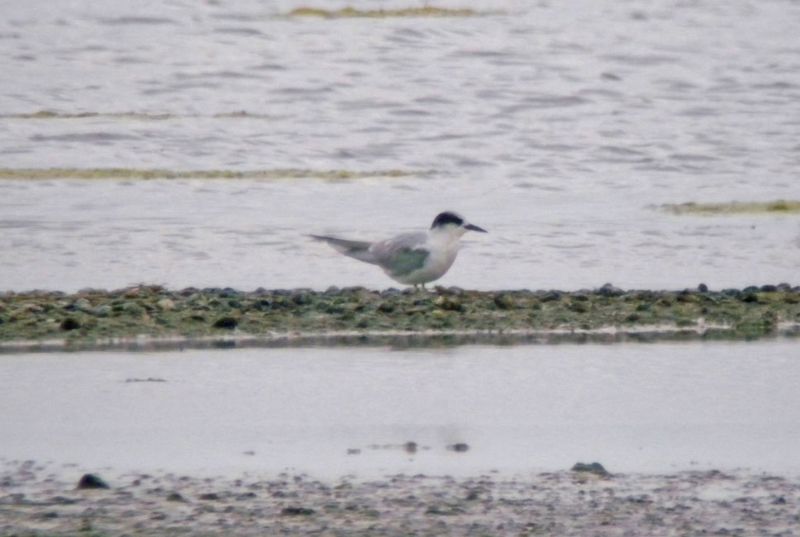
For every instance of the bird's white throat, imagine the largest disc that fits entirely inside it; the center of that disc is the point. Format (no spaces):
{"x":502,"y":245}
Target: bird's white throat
{"x":446,"y":235}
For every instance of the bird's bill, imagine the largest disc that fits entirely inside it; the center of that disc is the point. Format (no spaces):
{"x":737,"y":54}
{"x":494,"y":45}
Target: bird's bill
{"x":473,"y":227}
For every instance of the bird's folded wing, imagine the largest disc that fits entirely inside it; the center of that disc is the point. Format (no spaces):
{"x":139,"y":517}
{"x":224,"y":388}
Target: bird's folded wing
{"x":357,"y":249}
{"x":401,"y":255}
{"x":405,"y":261}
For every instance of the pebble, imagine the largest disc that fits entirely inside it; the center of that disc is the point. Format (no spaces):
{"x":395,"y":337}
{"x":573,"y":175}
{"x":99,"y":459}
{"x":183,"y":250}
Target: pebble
{"x":609,"y":290}
{"x":592,"y":468}
{"x":166,"y":304}
{"x":70,"y":323}
{"x":297,"y":511}
{"x":92,"y":481}
{"x":227,"y":323}
{"x":503,"y":301}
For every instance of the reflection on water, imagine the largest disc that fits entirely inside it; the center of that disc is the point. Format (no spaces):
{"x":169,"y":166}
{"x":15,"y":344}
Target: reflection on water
{"x":553,"y":127}
{"x":650,"y":408}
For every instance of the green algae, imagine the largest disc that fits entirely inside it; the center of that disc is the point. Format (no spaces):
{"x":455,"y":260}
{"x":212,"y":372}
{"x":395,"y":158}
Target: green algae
{"x":93,"y":317}
{"x":735,"y":207}
{"x":144,"y":174}
{"x":351,"y":12}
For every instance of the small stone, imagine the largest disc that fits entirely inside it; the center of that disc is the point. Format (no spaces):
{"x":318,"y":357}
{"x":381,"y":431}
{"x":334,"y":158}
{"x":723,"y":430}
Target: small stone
{"x":102,"y":311}
{"x":686,"y":297}
{"x":262,"y":304}
{"x":175,"y":497}
{"x":578,"y":307}
{"x":133,"y":309}
{"x":47,"y":515}
{"x":439,"y":315}
{"x":166,"y":304}
{"x":227,"y":323}
{"x":448,"y":303}
{"x":297,"y":511}
{"x":444,"y":510}
{"x":148,"y":379}
{"x":92,"y":481}
{"x":229,"y":292}
{"x":703,"y":288}
{"x":592,"y":468}
{"x":83,"y":305}
{"x":390,"y":292}
{"x":503,"y":301}
{"x":70,"y":323}
{"x":609,"y":290}
{"x":410,"y":447}
{"x":551,"y":296}
{"x":132,"y":292}
{"x":459,"y":447}
{"x":301,"y":299}
{"x":386,"y":307}
{"x":63,"y":500}
{"x":209,"y":496}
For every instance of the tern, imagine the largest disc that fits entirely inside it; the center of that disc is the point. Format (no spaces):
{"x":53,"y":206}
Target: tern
{"x":411,"y":258}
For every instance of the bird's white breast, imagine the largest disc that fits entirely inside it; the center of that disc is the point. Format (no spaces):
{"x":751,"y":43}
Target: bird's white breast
{"x":443,"y":249}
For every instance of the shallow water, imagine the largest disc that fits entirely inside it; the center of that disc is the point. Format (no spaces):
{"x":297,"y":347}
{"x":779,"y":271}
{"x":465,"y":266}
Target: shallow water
{"x":554,"y":127}
{"x":635,"y":408}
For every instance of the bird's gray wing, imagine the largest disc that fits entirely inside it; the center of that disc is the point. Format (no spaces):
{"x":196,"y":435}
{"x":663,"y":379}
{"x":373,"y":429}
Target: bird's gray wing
{"x":357,"y":249}
{"x":401,"y":255}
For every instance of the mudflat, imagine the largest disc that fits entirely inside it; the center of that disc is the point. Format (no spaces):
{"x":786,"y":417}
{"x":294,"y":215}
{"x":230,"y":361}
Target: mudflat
{"x":41,"y":500}
{"x":98,"y":319}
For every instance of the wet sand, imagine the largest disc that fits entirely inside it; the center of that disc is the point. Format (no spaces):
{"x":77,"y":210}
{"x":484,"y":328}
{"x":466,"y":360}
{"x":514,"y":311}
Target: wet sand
{"x":37,"y":498}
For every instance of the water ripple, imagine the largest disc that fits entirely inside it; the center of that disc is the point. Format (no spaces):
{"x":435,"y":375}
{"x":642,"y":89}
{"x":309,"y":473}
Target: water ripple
{"x":531,"y":118}
{"x":83,"y":137}
{"x":131,"y":20}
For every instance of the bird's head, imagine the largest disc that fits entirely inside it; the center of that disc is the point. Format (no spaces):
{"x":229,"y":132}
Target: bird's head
{"x":453,"y":224}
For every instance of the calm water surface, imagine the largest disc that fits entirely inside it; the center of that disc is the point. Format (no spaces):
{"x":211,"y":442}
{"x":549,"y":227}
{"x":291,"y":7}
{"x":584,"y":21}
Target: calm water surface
{"x":635,"y":408}
{"x":555,"y":125}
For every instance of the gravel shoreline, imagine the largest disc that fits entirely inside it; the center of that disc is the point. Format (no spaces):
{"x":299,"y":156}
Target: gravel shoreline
{"x":155,"y":317}
{"x":35,"y":499}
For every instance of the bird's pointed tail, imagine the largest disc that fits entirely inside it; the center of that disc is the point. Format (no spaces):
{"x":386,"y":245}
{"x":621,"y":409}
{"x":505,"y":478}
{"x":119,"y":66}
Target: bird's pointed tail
{"x":356,"y":249}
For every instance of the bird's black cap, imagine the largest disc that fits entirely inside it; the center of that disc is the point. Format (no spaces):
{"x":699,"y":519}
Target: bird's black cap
{"x":447,"y":217}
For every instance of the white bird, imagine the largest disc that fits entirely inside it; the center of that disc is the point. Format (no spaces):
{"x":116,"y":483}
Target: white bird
{"x":411,"y":258}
